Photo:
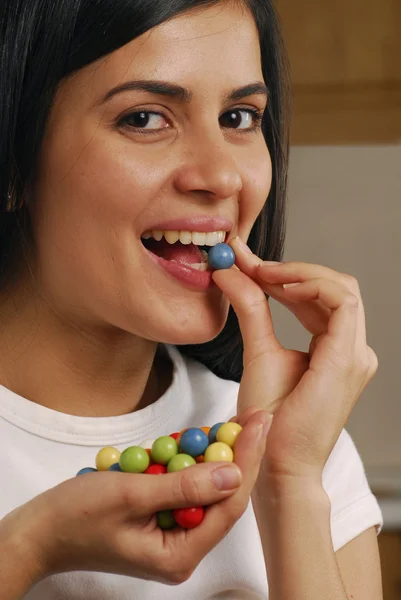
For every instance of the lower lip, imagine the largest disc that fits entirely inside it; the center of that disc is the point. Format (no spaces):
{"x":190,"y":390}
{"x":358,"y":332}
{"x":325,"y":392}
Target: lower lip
{"x":201,"y":280}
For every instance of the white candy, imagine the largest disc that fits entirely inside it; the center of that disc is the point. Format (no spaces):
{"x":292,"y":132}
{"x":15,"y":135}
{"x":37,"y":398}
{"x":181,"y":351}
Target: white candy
{"x":147,"y":444}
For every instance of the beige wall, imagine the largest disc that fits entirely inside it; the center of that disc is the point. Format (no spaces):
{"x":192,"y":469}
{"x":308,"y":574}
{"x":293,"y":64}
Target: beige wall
{"x":345,"y":212}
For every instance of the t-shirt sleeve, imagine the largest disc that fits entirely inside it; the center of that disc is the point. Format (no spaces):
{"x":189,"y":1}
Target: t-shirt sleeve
{"x":354,"y":508}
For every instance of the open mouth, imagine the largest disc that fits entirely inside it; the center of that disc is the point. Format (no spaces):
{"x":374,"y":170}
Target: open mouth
{"x":187,"y":248}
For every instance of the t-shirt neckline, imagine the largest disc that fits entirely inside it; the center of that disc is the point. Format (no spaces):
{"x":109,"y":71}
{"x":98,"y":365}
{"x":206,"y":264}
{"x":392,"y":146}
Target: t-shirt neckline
{"x":93,"y":431}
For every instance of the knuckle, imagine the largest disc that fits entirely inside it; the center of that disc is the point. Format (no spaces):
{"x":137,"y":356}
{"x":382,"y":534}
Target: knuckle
{"x":351,"y":301}
{"x":187,"y":488}
{"x":234,"y":511}
{"x":255,"y":305}
{"x":176,"y":569}
{"x":128,"y":495}
{"x":373,"y":363}
{"x":180,"y":576}
{"x":351,"y":282}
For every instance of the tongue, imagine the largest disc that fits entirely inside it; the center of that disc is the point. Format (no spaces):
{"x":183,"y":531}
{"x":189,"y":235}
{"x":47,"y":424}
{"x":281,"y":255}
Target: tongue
{"x":188,"y":253}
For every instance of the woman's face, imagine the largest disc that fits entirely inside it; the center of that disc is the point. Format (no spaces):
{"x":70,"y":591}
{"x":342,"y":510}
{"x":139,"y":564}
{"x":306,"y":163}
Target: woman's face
{"x":102,"y":181}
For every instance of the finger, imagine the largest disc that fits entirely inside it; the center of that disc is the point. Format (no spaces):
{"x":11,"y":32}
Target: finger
{"x":253,"y":312}
{"x":313,"y":316}
{"x":198,"y":485}
{"x":220,"y":517}
{"x":338,"y":346}
{"x":243,"y":418}
{"x":294,"y":272}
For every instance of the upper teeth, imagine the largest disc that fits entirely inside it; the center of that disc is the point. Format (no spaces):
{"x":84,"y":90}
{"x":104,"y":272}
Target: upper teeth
{"x":187,"y":237}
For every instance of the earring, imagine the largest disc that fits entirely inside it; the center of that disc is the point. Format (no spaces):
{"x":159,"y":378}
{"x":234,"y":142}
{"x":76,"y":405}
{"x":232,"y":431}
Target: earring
{"x":9,"y":207}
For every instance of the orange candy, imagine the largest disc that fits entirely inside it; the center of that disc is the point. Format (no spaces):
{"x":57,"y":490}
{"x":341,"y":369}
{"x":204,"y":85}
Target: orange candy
{"x":205,"y":429}
{"x":200,"y":459}
{"x":179,"y":437}
{"x":150,"y":456}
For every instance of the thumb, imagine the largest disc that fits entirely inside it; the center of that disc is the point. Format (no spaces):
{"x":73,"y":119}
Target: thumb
{"x":252,"y":309}
{"x":199,"y":485}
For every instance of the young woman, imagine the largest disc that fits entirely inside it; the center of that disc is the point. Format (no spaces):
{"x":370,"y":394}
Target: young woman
{"x":133,"y":134}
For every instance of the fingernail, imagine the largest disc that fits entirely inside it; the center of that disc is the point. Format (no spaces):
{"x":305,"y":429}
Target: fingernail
{"x":242,"y":244}
{"x":290,"y":285}
{"x":270,"y":263}
{"x":226,"y":478}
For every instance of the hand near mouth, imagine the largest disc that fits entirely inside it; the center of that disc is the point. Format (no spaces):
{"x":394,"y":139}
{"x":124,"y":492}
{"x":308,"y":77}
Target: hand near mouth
{"x":311,"y":394}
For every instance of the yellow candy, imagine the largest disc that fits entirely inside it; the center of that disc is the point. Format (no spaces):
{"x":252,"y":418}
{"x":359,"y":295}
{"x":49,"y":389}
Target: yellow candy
{"x":228,"y":433}
{"x":217,"y":452}
{"x":106,"y":457}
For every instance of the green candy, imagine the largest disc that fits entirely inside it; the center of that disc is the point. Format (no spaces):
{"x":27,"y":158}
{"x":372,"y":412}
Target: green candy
{"x":134,"y":460}
{"x":163,"y":449}
{"x":179,"y":462}
{"x":165,"y":519}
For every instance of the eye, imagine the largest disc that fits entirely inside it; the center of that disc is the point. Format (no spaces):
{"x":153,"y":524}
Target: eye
{"x":143,"y":118}
{"x":145,"y":122}
{"x":251,"y":122}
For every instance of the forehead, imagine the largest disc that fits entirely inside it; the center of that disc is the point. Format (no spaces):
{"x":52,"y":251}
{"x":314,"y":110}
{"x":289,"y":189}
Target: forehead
{"x":218,"y":44}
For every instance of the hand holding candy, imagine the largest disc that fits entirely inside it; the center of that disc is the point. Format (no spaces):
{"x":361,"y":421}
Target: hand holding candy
{"x":310,"y":394}
{"x":169,"y":456}
{"x":106,"y":521}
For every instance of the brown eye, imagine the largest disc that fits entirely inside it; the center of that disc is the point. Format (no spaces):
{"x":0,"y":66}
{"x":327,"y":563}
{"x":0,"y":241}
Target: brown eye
{"x":234,"y":119}
{"x":145,"y":120}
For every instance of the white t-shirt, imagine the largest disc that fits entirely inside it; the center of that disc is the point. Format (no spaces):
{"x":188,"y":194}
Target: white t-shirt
{"x":42,"y":448}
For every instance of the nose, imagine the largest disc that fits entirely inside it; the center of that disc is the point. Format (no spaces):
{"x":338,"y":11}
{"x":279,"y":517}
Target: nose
{"x":209,"y":168}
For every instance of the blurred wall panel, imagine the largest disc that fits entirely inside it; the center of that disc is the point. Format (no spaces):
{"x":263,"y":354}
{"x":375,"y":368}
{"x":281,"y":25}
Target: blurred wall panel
{"x":346,"y":68}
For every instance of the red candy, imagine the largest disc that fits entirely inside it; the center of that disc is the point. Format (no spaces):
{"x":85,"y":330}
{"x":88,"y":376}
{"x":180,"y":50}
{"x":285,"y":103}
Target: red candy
{"x":156,"y":469}
{"x":175,"y":435}
{"x":188,"y":518}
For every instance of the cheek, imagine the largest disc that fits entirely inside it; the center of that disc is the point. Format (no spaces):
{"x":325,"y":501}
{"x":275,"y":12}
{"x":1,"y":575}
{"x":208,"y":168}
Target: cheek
{"x":89,"y":198}
{"x":107,"y":184}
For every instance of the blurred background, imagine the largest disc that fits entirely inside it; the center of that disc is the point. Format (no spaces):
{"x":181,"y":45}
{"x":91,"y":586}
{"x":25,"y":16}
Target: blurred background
{"x":345,"y":208}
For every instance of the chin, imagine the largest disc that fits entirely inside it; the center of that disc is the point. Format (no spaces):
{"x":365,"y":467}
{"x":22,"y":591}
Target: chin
{"x":192,"y":330}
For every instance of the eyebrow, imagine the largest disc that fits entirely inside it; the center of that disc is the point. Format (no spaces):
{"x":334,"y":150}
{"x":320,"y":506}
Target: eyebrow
{"x":178,"y":92}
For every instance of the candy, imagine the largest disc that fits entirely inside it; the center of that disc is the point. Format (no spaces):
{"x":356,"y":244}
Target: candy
{"x":106,"y":457}
{"x":194,"y":442}
{"x":213,"y":431}
{"x":179,"y":462}
{"x":115,"y":467}
{"x":228,"y":433}
{"x":156,"y":470}
{"x":217,"y":452}
{"x":165,"y":519}
{"x":169,"y":454}
{"x":180,"y":434}
{"x":163,"y":449}
{"x":134,"y":460}
{"x":147,"y":444}
{"x":188,"y":518}
{"x":221,"y":256}
{"x":86,"y":470}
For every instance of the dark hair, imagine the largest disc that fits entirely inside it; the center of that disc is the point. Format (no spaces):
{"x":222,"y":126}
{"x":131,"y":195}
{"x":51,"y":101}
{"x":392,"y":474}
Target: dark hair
{"x":43,"y":41}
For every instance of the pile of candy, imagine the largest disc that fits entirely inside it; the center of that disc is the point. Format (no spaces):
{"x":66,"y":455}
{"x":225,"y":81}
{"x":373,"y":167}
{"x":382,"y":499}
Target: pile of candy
{"x":171,"y":453}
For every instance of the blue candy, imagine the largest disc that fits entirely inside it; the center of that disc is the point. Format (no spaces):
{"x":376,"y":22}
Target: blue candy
{"x":221,"y":256}
{"x":194,"y":442}
{"x":86,"y":470}
{"x":115,"y":467}
{"x":213,"y":431}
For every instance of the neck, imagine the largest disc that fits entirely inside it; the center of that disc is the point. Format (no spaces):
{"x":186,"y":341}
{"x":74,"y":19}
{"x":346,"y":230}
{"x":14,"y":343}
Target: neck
{"x":72,"y":369}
